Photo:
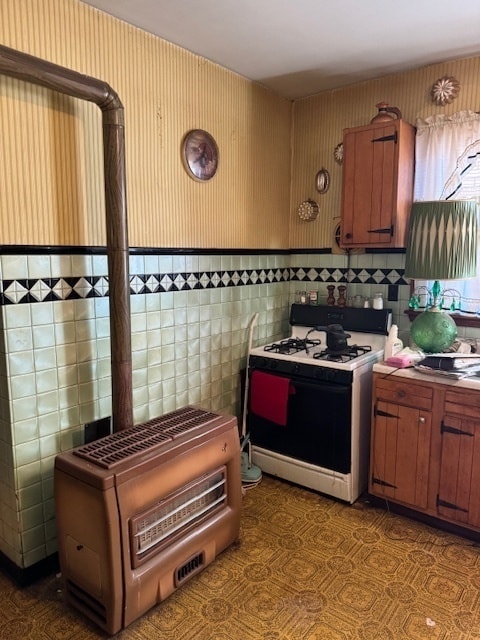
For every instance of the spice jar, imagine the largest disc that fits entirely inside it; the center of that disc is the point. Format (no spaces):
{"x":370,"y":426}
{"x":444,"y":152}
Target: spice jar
{"x":301,"y":297}
{"x":377,"y":302}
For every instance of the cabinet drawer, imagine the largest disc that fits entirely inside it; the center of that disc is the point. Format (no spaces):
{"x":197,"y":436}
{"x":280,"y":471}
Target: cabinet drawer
{"x":405,"y":393}
{"x":463,"y":403}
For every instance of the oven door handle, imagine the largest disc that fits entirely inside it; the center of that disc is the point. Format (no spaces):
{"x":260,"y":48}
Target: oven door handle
{"x":313,"y":385}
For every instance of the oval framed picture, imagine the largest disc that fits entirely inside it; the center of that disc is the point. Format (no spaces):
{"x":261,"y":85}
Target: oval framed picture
{"x":200,"y":155}
{"x":322,"y":181}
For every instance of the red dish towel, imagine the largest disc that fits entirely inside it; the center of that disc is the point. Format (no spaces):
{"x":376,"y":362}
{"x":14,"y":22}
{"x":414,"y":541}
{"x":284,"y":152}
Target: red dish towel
{"x":269,"y":396}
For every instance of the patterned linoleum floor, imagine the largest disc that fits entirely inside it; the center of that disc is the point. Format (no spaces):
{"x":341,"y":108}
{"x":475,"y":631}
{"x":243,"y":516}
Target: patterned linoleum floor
{"x":305,"y":568}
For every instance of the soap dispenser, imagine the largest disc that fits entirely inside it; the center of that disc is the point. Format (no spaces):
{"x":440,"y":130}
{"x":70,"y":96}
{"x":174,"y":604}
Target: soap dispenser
{"x":393,"y":344}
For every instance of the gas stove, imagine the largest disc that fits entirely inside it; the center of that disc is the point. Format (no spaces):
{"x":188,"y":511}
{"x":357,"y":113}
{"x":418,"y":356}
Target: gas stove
{"x":310,"y":398}
{"x":307,"y":349}
{"x":313,"y":350}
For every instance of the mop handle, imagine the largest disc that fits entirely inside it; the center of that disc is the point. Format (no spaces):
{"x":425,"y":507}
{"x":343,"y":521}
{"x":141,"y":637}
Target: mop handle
{"x":253,"y":322}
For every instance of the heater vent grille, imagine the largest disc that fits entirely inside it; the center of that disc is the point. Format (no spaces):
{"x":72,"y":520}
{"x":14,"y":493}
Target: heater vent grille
{"x":84,"y":601}
{"x":192,"y":566}
{"x":166,"y":521}
{"x":117,"y":447}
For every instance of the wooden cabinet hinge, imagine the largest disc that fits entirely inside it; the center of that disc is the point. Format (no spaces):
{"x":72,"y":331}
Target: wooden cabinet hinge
{"x":382,"y":483}
{"x":385,"y":414}
{"x":444,"y":428}
{"x":449,"y":505}
{"x":393,"y":137}
{"x":386,"y":230}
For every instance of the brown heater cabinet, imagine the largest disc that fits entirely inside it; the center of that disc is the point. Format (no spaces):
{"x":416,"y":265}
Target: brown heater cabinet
{"x":141,"y":511}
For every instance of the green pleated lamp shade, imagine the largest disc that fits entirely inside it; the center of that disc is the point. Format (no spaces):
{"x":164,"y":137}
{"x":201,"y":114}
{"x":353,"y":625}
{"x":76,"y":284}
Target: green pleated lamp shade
{"x":442,"y":245}
{"x":442,"y":240}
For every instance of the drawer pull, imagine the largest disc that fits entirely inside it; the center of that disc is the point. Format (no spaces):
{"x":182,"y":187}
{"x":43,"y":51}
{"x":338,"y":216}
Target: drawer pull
{"x":401,"y":393}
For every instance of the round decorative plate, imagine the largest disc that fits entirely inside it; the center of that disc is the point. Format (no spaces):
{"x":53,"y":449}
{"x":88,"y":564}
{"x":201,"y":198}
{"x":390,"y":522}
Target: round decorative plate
{"x":200,"y":155}
{"x":336,"y":237}
{"x":322,"y":181}
{"x":308,"y":210}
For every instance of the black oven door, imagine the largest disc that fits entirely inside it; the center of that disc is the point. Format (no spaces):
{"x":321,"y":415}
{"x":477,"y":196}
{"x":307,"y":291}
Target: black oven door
{"x":318,"y":426}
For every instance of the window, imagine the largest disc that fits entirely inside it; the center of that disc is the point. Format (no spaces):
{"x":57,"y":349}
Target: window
{"x":447,"y":167}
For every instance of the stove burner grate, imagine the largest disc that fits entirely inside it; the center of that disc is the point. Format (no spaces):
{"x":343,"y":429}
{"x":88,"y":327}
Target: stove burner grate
{"x":345,"y":355}
{"x":292,"y":345}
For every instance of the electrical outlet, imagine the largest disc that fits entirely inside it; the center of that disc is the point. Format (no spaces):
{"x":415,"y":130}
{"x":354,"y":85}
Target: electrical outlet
{"x":393,"y":292}
{"x":97,"y":429}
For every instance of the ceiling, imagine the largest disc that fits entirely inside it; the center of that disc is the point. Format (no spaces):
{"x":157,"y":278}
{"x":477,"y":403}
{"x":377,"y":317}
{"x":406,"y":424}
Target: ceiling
{"x":301,"y":47}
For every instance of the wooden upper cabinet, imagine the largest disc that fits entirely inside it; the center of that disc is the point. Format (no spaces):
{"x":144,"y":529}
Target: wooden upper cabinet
{"x":378,"y":170}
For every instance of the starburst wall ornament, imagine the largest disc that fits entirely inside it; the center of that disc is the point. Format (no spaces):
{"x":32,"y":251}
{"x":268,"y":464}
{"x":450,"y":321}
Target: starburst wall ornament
{"x":445,"y":90}
{"x":338,"y":153}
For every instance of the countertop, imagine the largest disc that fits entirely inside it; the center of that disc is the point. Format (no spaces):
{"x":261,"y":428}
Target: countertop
{"x":412,"y":374}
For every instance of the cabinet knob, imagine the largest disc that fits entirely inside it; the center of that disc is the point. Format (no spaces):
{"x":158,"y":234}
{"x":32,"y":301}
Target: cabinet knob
{"x":401,"y":393}
{"x":421,"y":420}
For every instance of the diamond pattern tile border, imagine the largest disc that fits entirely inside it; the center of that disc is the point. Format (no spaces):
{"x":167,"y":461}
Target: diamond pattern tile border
{"x":23,"y":291}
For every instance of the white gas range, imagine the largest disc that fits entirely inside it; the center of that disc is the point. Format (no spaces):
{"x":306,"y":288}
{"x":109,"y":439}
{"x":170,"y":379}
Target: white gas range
{"x":310,"y":398}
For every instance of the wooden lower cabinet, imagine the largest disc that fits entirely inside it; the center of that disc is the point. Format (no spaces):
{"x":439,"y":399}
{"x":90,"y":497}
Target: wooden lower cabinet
{"x":401,"y":451}
{"x":425,"y":448}
{"x":401,"y":433}
{"x":459,"y":485}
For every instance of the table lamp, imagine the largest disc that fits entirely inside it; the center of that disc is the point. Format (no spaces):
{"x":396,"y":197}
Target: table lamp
{"x":442,"y":245}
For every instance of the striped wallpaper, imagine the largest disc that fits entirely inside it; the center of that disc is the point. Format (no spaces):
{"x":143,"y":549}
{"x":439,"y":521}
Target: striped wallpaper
{"x":51,"y":190}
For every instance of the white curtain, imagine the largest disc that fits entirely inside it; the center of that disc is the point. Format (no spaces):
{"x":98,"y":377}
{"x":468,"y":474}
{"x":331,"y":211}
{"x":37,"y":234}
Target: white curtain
{"x":447,"y":167}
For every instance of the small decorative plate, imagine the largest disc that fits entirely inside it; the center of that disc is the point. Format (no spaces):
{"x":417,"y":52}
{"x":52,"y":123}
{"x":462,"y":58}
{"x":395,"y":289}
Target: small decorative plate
{"x":336,"y":236}
{"x":338,"y":153}
{"x":322,"y":181}
{"x":308,"y":210}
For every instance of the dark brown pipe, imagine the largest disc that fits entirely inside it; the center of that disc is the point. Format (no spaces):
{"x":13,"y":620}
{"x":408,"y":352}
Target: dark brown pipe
{"x":46,"y":74}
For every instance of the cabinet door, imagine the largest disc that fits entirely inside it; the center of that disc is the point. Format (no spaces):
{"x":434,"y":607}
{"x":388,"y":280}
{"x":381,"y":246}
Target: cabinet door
{"x":459,"y":487}
{"x":377,"y":184}
{"x":400,"y":453}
